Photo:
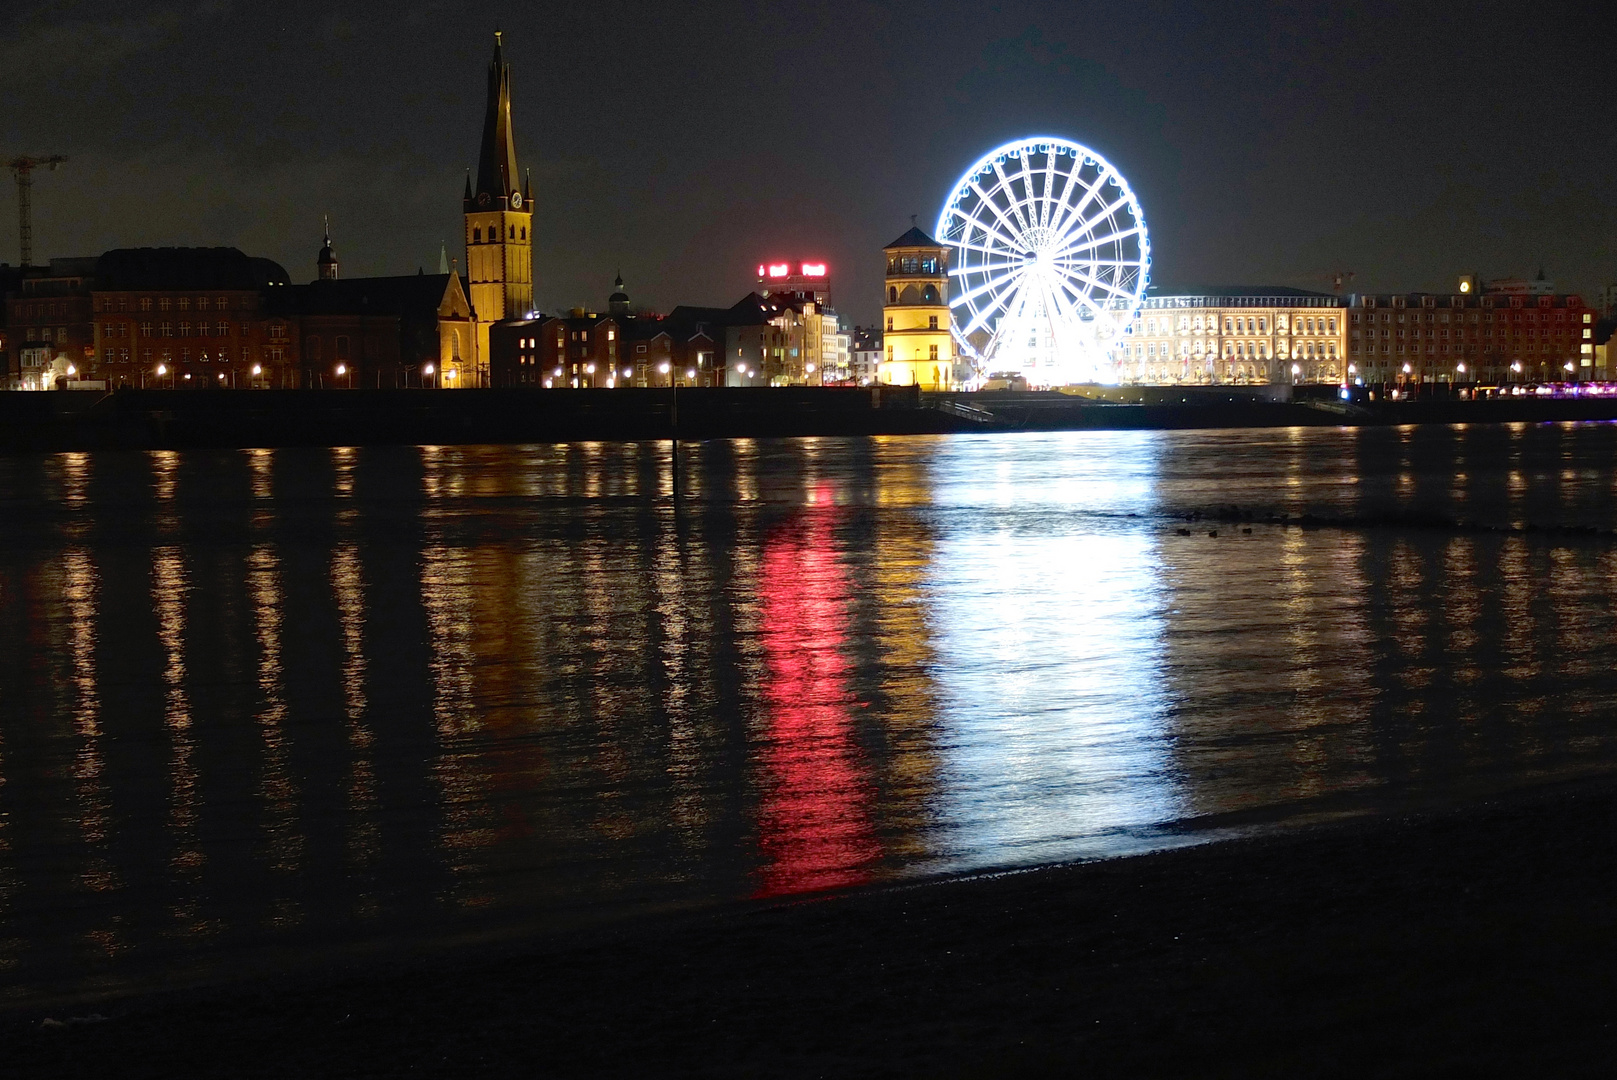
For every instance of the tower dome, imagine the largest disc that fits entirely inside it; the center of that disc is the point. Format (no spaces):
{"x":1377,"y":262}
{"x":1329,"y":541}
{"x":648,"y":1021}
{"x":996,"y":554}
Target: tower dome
{"x":618,"y":302}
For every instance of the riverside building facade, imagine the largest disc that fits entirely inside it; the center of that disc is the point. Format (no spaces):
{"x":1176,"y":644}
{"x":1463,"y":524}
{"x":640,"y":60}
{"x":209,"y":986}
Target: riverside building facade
{"x":1236,"y":335}
{"x":1498,"y":337}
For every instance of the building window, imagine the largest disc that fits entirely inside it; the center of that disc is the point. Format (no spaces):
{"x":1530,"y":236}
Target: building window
{"x":931,"y":322}
{"x":889,"y":323}
{"x":166,"y":330}
{"x":342,"y":346}
{"x":477,"y":236}
{"x":185,"y":303}
{"x":164,"y":303}
{"x":934,"y":353}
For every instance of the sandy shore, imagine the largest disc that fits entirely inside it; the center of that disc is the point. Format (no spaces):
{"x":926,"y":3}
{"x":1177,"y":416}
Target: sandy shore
{"x":1466,"y":942}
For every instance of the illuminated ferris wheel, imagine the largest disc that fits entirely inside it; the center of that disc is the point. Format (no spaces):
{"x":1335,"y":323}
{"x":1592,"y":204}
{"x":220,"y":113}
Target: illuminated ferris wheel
{"x":1049,"y":262}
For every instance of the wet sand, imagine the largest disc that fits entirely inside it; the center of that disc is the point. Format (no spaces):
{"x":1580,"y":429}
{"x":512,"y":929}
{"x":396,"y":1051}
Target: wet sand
{"x":1474,"y":941}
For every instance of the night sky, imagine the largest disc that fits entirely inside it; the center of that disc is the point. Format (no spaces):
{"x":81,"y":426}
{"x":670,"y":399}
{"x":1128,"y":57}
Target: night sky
{"x":1273,"y":144}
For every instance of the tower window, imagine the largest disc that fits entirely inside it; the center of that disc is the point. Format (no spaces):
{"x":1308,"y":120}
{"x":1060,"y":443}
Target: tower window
{"x":524,"y":232}
{"x":892,"y":295}
{"x":477,"y":236}
{"x":932,"y":324}
{"x":889,"y":322}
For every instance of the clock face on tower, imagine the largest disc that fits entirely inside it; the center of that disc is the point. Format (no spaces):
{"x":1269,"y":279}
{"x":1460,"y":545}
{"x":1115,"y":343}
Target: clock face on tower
{"x":516,"y":200}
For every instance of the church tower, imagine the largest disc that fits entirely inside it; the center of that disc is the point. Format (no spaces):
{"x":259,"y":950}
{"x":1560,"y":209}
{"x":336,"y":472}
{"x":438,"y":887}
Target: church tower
{"x":499,"y":217}
{"x":326,"y":261}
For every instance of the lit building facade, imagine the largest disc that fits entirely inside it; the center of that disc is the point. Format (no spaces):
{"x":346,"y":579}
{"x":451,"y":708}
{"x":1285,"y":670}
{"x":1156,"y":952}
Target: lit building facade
{"x":1256,"y":334}
{"x":1495,"y":338}
{"x":865,"y":355}
{"x":810,"y":280}
{"x":920,"y":349}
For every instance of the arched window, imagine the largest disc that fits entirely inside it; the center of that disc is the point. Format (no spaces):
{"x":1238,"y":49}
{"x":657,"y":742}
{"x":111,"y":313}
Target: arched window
{"x":477,"y":236}
{"x":524,"y":232}
{"x":892,"y":295}
{"x":929,"y":295}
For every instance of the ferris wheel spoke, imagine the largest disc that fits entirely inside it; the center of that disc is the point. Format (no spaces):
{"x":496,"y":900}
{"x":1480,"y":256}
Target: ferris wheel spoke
{"x":1063,"y":227}
{"x":990,"y":286}
{"x":1009,"y":238}
{"x":970,"y":223}
{"x":980,"y":319}
{"x":1010,"y":194}
{"x":1101,"y":216}
{"x":1098,"y":283}
{"x":1060,"y":206}
{"x":1060,"y":290}
{"x":966,"y":245}
{"x":1047,"y":204}
{"x":1121,"y":234}
{"x":984,"y":267}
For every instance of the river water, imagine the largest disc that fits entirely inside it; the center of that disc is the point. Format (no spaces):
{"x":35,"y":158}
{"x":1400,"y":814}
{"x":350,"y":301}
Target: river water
{"x":261,"y":710}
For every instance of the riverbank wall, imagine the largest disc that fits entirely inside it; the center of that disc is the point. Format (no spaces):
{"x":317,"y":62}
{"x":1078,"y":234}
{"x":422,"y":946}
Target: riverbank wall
{"x":154,"y":419}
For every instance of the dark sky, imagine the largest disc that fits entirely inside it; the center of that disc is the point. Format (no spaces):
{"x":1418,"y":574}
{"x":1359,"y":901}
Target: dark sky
{"x":685,"y":143}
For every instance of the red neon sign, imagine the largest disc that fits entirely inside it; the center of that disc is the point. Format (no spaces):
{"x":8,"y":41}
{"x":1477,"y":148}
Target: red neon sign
{"x":779,"y":269}
{"x":813,"y":269}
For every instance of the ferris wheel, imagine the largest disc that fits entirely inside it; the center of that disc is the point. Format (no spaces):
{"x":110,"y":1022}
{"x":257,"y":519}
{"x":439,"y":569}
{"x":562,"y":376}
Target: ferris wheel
{"x":1049,"y":261}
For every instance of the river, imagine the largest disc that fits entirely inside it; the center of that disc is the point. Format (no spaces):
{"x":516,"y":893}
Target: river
{"x":262,"y":711}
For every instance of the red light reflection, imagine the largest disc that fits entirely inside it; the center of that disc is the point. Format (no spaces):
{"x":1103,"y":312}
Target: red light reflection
{"x":814,"y":826}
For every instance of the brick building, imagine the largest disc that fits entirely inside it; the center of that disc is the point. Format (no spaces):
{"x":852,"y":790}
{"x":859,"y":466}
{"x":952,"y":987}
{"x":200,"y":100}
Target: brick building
{"x":184,"y":317}
{"x":50,"y":331}
{"x":1491,"y":339}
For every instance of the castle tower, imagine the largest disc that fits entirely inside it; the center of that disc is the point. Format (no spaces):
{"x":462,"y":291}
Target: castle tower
{"x":499,"y":250}
{"x":618,"y":303}
{"x":326,"y":261}
{"x":918,"y":348}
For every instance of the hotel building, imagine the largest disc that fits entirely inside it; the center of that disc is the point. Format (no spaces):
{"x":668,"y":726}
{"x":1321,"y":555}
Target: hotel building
{"x":1238,"y":335}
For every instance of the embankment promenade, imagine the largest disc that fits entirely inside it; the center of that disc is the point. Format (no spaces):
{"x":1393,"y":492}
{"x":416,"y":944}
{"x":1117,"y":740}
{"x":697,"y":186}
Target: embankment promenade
{"x":162,"y":419}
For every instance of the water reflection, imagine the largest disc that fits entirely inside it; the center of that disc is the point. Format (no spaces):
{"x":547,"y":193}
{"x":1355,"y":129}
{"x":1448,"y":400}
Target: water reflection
{"x":261,"y":706}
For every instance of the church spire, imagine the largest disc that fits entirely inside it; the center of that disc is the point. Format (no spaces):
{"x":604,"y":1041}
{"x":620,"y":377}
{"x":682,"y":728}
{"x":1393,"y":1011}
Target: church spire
{"x":497,"y":175}
{"x":326,"y":261}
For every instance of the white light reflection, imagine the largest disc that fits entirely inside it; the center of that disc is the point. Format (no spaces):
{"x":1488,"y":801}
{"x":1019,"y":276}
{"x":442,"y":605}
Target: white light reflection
{"x":1047,"y":606}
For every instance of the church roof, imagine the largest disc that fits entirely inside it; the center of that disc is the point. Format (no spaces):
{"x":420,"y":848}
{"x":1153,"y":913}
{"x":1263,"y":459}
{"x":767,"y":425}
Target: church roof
{"x":404,"y":296}
{"x":914,"y":238}
{"x":497,"y":163}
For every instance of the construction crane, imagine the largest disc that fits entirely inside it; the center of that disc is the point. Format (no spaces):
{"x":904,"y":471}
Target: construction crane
{"x":24,"y":168}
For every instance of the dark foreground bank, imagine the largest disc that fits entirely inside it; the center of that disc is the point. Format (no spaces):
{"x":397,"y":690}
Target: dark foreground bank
{"x":72,"y":420}
{"x":1475,"y":942}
